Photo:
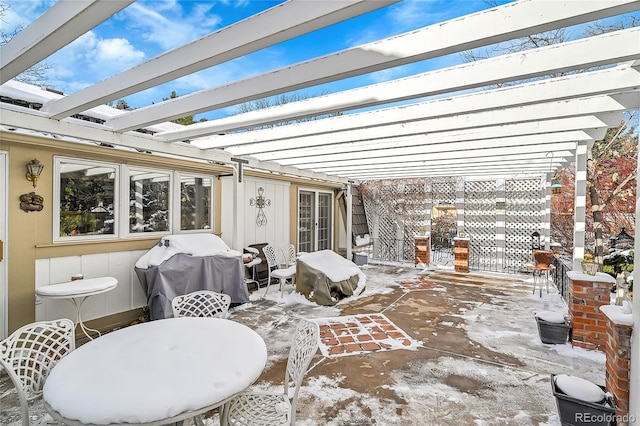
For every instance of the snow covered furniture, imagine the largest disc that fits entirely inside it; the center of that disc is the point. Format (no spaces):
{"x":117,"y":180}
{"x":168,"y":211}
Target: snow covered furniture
{"x":581,"y":402}
{"x":326,"y":277}
{"x":155,"y":373}
{"x":280,"y":265}
{"x":29,"y":354}
{"x":77,"y":293}
{"x":203,"y":303}
{"x":553,"y":328}
{"x":252,"y":260}
{"x":267,"y":409}
{"x":181,"y":264}
{"x":262,"y":269}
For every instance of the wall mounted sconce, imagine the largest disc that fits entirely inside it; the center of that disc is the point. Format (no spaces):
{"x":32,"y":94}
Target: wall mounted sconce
{"x":34,"y":168}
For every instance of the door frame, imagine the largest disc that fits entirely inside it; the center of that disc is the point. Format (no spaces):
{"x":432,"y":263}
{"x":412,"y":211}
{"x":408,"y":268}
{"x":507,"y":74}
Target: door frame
{"x":316,"y":194}
{"x":4,"y":220}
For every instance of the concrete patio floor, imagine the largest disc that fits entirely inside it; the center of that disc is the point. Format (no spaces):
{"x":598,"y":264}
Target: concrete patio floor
{"x":468,"y":352}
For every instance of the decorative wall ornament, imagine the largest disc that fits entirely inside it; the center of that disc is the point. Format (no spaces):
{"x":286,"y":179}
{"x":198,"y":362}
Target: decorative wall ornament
{"x":31,"y":202}
{"x":260,"y":202}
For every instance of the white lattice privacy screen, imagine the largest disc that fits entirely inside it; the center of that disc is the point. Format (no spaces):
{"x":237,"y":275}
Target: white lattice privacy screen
{"x":498,"y":216}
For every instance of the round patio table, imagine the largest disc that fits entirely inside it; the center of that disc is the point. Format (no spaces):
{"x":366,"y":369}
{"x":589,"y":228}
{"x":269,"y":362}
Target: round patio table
{"x":155,"y":373}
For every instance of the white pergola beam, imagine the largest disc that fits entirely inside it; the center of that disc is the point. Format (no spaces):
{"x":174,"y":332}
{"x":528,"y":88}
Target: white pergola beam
{"x":605,"y":49}
{"x":562,"y":90}
{"x":513,"y":169}
{"x":478,"y":151}
{"x":76,"y":130}
{"x":483,"y":28}
{"x":394,"y":136}
{"x":559,"y":159}
{"x":60,"y":25}
{"x":489,"y":175}
{"x":277,"y":24}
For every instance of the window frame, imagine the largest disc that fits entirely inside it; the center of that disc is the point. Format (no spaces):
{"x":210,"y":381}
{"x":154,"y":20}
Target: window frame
{"x":121,"y":201}
{"x":177,"y":212}
{"x":57,"y":238}
{"x":126,"y":182}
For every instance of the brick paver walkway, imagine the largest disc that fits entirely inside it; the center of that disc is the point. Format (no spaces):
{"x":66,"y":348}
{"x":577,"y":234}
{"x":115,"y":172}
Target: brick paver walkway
{"x":350,"y":335}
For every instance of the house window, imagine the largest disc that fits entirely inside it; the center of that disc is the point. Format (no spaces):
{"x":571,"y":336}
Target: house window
{"x":149,"y":195}
{"x":93,"y":197}
{"x":195,"y":202}
{"x":86,"y":199}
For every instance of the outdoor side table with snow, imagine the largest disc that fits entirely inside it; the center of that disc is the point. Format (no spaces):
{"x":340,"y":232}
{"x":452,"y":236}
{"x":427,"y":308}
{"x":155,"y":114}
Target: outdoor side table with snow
{"x":581,"y":402}
{"x":552,"y":327}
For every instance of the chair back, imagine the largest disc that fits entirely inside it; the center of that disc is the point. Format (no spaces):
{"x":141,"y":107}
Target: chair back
{"x":303,"y":348}
{"x":29,"y":354}
{"x":271,"y":254}
{"x":543,"y":258}
{"x":290,"y":254}
{"x":203,"y":303}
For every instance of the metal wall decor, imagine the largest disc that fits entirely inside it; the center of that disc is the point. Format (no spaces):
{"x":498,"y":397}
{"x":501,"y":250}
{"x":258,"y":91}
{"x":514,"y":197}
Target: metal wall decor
{"x":260,"y":202}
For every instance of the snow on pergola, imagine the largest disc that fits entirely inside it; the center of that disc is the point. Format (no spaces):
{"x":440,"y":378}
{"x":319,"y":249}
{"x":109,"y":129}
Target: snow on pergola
{"x":451,"y":122}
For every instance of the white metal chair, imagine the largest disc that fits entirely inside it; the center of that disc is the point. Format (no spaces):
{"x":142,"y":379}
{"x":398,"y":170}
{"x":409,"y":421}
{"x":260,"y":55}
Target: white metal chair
{"x":203,"y":303}
{"x":280,"y":265}
{"x":29,"y":354}
{"x":270,"y":409}
{"x":290,"y":254}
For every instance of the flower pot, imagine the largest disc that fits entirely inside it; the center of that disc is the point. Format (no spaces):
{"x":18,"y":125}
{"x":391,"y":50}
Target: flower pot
{"x":574,"y":412}
{"x":552,"y":332}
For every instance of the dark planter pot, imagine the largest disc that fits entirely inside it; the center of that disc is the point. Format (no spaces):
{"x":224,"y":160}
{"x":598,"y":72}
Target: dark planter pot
{"x":574,"y":412}
{"x":552,"y":332}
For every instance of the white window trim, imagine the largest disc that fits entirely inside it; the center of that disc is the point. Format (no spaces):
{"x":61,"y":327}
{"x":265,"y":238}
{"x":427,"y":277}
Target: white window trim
{"x":121,"y":202}
{"x":125,"y":233}
{"x":176,"y":215}
{"x":57,"y":161}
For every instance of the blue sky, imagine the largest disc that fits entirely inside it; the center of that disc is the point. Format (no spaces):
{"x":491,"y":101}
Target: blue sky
{"x":150,"y":27}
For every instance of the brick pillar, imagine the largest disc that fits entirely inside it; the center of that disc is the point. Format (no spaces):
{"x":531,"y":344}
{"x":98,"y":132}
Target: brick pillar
{"x":586,"y":294}
{"x":618,"y":351}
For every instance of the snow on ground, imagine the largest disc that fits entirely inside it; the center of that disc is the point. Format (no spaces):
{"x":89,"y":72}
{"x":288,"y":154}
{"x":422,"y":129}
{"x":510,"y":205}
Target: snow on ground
{"x":426,"y":392}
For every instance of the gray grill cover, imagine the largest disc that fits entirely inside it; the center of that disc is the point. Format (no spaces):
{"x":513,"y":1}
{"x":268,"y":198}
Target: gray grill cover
{"x":184,"y":273}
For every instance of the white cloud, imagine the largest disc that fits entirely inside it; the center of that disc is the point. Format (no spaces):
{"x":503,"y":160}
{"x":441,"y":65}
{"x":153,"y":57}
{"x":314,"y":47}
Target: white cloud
{"x":118,"y":49}
{"x":170,"y":28}
{"x":90,"y":59}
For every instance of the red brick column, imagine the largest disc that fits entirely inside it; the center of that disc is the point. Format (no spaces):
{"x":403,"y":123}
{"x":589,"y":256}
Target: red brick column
{"x":618,"y":350}
{"x":586,"y":294}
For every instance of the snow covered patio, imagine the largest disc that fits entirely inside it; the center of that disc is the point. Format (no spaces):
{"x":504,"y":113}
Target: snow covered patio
{"x":467,"y":352}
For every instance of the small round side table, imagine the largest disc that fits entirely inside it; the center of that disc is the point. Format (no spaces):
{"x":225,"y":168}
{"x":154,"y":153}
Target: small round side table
{"x":77,"y":293}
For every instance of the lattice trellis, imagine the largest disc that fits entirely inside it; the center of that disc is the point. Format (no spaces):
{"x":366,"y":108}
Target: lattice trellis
{"x":524,"y":210}
{"x":397,"y":209}
{"x":480,"y":223}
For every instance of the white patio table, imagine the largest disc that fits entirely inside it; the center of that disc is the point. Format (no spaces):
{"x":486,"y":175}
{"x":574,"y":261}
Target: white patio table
{"x":77,"y":292}
{"x":154,"y":373}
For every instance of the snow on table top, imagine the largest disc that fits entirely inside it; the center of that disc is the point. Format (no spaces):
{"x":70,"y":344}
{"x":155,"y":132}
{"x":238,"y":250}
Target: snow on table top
{"x":193,"y":244}
{"x":78,"y":287}
{"x":155,"y":370}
